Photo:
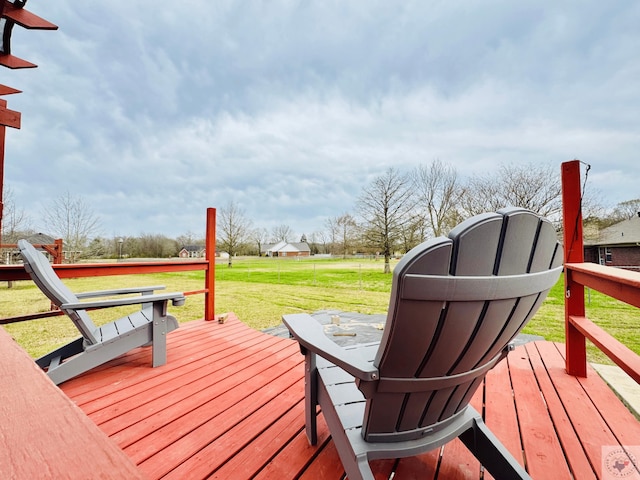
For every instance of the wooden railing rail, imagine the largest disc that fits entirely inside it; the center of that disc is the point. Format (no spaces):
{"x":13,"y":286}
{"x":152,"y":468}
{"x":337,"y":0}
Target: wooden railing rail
{"x":83,"y":270}
{"x":620,"y":284}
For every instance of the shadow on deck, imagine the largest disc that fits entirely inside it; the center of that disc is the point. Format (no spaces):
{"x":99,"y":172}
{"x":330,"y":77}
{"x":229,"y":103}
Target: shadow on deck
{"x":229,"y":404}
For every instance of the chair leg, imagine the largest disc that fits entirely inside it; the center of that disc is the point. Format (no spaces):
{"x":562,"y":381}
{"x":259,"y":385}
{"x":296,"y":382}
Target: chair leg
{"x":360,"y":469}
{"x":491,"y":453}
{"x":311,"y":396}
{"x":159,"y":331}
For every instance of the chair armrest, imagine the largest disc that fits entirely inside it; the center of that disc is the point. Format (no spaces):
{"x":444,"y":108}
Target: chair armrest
{"x":310,"y":335}
{"x":176,"y":298}
{"x":119,"y":291}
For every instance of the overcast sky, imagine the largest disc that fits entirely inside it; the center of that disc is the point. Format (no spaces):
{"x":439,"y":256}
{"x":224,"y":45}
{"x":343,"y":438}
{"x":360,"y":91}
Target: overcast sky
{"x":154,"y":111}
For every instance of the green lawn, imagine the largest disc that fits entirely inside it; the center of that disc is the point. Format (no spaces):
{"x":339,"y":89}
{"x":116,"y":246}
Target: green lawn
{"x":261,"y":290}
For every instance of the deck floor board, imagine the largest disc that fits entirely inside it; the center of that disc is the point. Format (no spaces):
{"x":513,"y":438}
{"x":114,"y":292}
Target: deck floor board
{"x":187,"y":393}
{"x":577,"y":462}
{"x":540,"y":439}
{"x":584,"y":414}
{"x":229,"y":404}
{"x":500,"y":413}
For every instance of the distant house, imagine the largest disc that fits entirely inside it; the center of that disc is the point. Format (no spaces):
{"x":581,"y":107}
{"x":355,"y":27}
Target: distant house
{"x":35,"y":239}
{"x":191,"y":251}
{"x":285,"y":249}
{"x":616,"y":246}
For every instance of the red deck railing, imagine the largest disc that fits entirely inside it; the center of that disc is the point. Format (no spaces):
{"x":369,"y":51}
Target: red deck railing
{"x":80,"y":270}
{"x":620,"y":284}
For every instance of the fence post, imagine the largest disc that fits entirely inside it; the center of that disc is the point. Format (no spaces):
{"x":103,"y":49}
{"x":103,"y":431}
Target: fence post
{"x":576,"y":351}
{"x":210,"y":274}
{"x":59,"y":255}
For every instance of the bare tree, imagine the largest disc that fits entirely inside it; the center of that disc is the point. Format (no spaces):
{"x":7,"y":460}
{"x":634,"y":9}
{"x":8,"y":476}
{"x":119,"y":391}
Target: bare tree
{"x":260,"y":236}
{"x":313,"y":243}
{"x":128,"y":247}
{"x":414,"y":230}
{"x":332,"y":233}
{"x":281,"y":233}
{"x":320,"y":238}
{"x":595,"y":219}
{"x":188,"y":238}
{"x":533,"y":186}
{"x":98,"y":247}
{"x":627,"y":209}
{"x":72,"y":219}
{"x":234,"y":229}
{"x":439,"y":192}
{"x":156,"y":246}
{"x":347,"y":228}
{"x":481,"y":195}
{"x":14,"y":219}
{"x":385,"y":206}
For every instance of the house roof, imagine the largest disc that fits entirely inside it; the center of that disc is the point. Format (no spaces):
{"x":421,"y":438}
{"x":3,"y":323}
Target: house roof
{"x":192,"y":248}
{"x":40,"y":239}
{"x":626,"y":232}
{"x":274,"y":247}
{"x":287,"y":247}
{"x":295,"y":247}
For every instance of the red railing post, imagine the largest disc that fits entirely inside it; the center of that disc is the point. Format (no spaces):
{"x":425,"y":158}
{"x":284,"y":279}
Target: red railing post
{"x":576,"y":350}
{"x":59,"y":256}
{"x":210,"y":274}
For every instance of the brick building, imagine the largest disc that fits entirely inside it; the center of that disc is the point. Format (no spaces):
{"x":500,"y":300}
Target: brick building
{"x":616,"y":246}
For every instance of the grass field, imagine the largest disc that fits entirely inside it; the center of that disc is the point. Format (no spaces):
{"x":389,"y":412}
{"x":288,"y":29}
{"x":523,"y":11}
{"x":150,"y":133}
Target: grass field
{"x":261,"y":290}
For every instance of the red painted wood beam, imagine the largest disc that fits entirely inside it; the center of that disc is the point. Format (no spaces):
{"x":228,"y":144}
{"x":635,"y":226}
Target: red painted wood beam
{"x":15,"y":14}
{"x":17,"y":272}
{"x":26,"y":19}
{"x":210,"y":276}
{"x":620,"y":284}
{"x":13,"y":62}
{"x":5,"y":90}
{"x":573,"y":253}
{"x":624,"y":357}
{"x":9,"y":118}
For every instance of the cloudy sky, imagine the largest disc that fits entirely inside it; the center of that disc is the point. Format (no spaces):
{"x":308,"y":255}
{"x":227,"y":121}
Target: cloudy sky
{"x":154,"y":111}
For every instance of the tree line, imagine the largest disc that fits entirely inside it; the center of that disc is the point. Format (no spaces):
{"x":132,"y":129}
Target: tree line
{"x":400,"y":209}
{"x":393,"y":213}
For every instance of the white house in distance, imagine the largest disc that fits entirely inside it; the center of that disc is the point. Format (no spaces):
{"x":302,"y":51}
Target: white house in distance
{"x":195,"y":251}
{"x":285,"y":249}
{"x":192,"y":251}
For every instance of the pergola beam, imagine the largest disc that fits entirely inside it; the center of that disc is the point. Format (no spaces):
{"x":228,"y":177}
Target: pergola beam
{"x":25,"y":18}
{"x":13,"y":13}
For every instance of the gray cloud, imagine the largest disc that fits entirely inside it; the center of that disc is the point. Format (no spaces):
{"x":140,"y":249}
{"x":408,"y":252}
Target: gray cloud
{"x":290,"y":107}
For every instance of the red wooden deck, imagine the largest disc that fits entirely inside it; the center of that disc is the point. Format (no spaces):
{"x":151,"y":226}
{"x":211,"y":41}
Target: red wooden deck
{"x":228,"y":404}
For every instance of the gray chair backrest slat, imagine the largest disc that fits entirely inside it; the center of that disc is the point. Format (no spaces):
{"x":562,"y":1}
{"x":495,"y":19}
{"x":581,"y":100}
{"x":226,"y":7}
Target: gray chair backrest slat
{"x":45,"y":277}
{"x":479,"y":288}
{"x":457,"y":330}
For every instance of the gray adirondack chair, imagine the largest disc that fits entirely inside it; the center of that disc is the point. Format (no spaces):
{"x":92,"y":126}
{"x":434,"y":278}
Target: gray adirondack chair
{"x":97,"y":345}
{"x":456,"y":304}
